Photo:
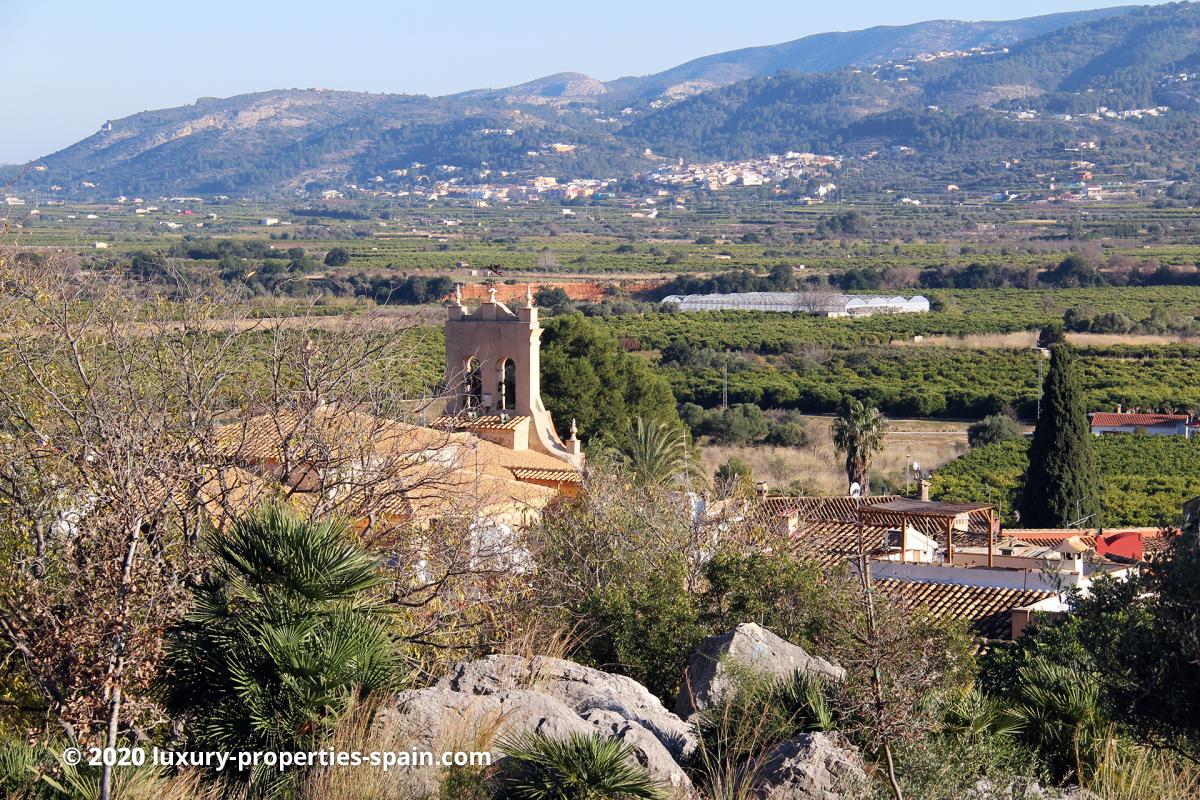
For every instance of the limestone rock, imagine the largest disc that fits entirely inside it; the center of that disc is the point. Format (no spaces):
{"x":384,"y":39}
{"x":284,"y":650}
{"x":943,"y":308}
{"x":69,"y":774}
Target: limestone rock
{"x":437,"y":720}
{"x":1027,"y":789}
{"x":753,"y":646}
{"x":581,"y":688}
{"x":509,"y":695}
{"x":812,"y":766}
{"x":650,"y":752}
{"x":441,"y":717}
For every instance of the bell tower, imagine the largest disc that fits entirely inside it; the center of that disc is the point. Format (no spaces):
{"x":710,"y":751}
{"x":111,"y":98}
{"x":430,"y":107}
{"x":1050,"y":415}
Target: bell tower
{"x":493,"y":375}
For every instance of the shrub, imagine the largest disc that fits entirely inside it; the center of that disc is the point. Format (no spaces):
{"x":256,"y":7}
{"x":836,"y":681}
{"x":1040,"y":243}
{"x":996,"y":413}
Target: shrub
{"x":579,"y":767}
{"x":777,"y":590}
{"x":1051,"y":334}
{"x":281,"y":635}
{"x":553,"y":299}
{"x":787,"y":434}
{"x":337,"y":257}
{"x":753,"y":713}
{"x":734,"y":474}
{"x":645,"y":627}
{"x":992,"y":429}
{"x":738,"y":424}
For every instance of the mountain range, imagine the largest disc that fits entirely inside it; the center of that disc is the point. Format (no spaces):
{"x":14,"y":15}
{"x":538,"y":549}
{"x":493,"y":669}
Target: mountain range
{"x":954,"y":97}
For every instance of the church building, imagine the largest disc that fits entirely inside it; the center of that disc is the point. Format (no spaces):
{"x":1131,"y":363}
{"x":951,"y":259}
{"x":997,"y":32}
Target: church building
{"x":493,"y":379}
{"x":494,"y":455}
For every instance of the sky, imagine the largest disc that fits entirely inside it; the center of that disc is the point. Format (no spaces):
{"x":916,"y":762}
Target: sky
{"x":72,"y":64}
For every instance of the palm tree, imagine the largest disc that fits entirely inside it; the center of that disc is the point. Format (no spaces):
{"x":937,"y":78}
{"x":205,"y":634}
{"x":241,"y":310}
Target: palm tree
{"x":656,"y":453}
{"x":858,"y":433}
{"x":1057,"y":708}
{"x":580,"y":767}
{"x":282,"y":634}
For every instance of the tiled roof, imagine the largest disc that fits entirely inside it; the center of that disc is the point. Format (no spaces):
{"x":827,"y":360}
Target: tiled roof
{"x":494,"y":422}
{"x":1154,"y":546}
{"x":845,"y":509}
{"x":1153,"y":540}
{"x":987,"y":609}
{"x":831,"y":543}
{"x":561,"y":475}
{"x":826,"y":508}
{"x":906,"y":505}
{"x":408,"y":471}
{"x":513,"y":460}
{"x":1111,"y":420}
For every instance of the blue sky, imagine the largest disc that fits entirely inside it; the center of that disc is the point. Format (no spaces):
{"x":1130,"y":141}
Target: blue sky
{"x":71,"y":64}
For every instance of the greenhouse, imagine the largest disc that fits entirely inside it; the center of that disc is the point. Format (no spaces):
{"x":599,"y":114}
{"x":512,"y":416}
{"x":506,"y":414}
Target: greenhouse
{"x":824,"y":304}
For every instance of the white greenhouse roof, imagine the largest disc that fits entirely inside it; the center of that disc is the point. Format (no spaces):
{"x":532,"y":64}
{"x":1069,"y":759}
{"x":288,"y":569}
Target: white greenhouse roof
{"x":804,"y":302}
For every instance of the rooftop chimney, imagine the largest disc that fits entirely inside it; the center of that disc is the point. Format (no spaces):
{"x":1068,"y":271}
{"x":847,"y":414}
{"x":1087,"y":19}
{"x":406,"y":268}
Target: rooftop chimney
{"x":923,"y":485}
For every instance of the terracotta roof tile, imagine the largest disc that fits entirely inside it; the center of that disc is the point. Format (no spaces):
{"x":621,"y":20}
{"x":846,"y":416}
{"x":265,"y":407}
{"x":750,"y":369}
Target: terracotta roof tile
{"x":987,"y":609}
{"x":1112,"y":420}
{"x":495,"y":422}
{"x":845,"y":509}
{"x":561,"y":475}
{"x":423,"y":472}
{"x":831,"y":543}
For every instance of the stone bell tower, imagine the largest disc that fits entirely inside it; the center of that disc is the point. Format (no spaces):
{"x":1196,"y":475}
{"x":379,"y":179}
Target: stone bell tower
{"x":493,"y":376}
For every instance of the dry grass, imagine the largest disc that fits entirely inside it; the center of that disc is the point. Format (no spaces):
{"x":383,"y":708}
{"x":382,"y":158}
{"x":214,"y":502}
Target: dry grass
{"x":975,"y":341}
{"x":364,"y":731}
{"x":1027,"y":339}
{"x":1108,"y":339}
{"x":820,"y":469}
{"x":185,"y":786}
{"x":1126,"y":772}
{"x":542,"y":636}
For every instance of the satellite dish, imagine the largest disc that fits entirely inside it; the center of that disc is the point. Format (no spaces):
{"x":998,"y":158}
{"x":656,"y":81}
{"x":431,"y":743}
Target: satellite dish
{"x":916,"y":467}
{"x":855,"y":490}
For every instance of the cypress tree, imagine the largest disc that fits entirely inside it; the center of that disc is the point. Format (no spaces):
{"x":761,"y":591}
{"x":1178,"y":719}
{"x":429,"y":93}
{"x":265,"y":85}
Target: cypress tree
{"x":1061,"y":482}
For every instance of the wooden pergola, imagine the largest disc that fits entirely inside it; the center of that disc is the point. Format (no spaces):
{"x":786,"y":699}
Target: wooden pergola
{"x":945,"y":516}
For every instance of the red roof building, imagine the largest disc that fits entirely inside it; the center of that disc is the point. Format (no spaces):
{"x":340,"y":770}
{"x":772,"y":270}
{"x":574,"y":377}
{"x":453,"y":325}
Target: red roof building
{"x":1152,"y":424}
{"x":1134,"y":544}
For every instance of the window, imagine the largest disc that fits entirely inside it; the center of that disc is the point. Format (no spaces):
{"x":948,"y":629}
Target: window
{"x":474,"y":383}
{"x":508,"y":385}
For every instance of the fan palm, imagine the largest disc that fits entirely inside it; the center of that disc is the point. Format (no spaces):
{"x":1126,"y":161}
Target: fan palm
{"x":971,"y":717}
{"x":858,"y":433}
{"x":656,"y":453}
{"x":580,"y":767}
{"x":281,"y":634}
{"x":1058,"y":710}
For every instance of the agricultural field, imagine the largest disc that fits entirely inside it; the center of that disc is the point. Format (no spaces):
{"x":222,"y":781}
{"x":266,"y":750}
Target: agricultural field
{"x":603,"y":238}
{"x":940,"y":382}
{"x":1144,"y":479}
{"x":971,"y":356}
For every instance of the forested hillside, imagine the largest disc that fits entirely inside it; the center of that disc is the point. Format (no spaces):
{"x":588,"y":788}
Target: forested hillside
{"x":827,"y":52}
{"x":1118,"y":79}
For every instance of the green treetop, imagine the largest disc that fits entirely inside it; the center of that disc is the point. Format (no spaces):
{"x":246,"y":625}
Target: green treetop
{"x":588,"y":377}
{"x":1061,"y":483}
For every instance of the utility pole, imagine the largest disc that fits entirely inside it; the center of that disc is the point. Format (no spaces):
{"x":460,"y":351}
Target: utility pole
{"x":725,"y":384}
{"x":687,"y":472}
{"x":1039,"y":386}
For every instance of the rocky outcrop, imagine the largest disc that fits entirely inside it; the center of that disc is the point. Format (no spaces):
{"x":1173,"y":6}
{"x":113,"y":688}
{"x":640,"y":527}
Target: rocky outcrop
{"x":479,"y":702}
{"x":812,"y":766}
{"x":752,"y":646}
{"x":1026,"y":789}
{"x":440,"y":717}
{"x":581,"y":688}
